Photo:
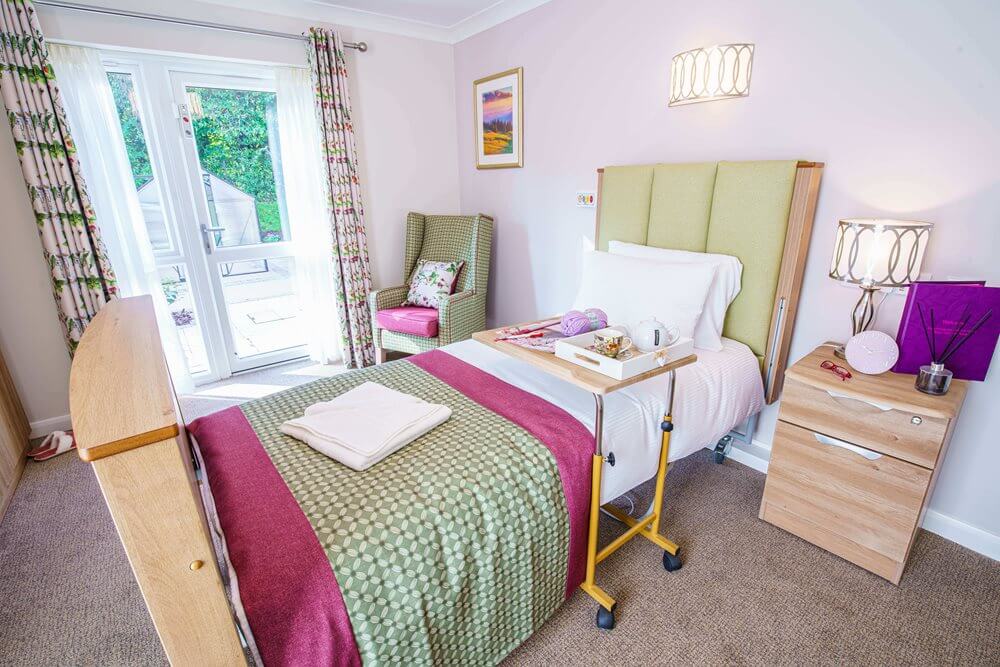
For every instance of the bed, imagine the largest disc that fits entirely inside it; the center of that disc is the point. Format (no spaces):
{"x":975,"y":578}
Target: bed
{"x":462,"y":544}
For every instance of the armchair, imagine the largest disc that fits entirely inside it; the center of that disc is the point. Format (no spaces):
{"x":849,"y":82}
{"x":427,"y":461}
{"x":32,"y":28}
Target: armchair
{"x":436,"y":238}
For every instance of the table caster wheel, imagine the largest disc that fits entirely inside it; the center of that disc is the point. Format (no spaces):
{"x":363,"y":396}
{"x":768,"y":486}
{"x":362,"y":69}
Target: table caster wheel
{"x":672,"y":562}
{"x":605,"y":618}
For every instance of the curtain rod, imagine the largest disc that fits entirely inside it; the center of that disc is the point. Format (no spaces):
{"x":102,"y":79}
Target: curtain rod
{"x":360,"y":46}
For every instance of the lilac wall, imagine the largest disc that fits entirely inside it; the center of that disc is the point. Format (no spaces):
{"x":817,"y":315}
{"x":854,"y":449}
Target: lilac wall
{"x":898,"y":98}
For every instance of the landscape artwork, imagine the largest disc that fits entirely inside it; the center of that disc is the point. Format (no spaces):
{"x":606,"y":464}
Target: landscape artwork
{"x":499,"y":120}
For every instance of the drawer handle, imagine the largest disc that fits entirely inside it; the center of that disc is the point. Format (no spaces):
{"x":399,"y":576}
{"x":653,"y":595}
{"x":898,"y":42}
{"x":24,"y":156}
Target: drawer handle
{"x":833,"y":442}
{"x":880,"y":406}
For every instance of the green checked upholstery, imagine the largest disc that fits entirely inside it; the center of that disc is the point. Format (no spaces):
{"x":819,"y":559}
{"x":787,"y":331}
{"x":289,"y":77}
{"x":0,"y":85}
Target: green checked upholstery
{"x":441,"y":238}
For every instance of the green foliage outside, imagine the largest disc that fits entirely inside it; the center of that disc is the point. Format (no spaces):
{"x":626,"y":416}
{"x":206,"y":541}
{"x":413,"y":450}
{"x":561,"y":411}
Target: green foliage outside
{"x":231,"y":132}
{"x":135,"y":142}
{"x":269,"y":220}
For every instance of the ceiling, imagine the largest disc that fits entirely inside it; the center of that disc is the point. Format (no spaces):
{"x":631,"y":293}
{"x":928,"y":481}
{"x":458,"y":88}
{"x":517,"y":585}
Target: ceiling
{"x":439,"y":20}
{"x":440,"y":13}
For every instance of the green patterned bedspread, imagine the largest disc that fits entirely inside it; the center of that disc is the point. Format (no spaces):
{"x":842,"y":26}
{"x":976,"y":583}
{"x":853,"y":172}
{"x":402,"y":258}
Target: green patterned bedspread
{"x":451,"y":551}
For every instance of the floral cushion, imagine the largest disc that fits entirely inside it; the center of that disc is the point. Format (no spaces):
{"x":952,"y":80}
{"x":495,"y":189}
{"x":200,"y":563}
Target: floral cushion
{"x":432,"y":282}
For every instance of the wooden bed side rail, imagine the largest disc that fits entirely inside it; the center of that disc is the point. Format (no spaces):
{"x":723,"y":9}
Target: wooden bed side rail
{"x":805,"y":195}
{"x":127,"y":424}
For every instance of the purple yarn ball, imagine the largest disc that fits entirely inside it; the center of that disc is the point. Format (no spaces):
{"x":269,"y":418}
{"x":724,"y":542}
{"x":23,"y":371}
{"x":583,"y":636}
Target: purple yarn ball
{"x":575,"y":323}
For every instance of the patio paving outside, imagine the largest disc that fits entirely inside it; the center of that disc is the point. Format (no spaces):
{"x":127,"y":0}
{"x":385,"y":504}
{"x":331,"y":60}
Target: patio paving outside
{"x":263,"y":307}
{"x":263,"y":310}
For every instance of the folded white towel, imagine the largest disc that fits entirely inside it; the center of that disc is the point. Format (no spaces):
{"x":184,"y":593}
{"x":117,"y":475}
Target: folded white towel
{"x":361,"y":427}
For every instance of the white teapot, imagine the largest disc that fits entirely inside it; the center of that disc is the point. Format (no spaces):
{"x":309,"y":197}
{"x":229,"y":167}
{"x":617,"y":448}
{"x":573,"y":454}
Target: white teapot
{"x":652,"y":334}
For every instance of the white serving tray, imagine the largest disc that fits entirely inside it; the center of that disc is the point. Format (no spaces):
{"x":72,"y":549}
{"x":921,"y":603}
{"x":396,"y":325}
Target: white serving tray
{"x":576,"y":349}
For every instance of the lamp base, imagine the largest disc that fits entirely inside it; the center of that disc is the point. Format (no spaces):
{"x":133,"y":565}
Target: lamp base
{"x":861,"y":318}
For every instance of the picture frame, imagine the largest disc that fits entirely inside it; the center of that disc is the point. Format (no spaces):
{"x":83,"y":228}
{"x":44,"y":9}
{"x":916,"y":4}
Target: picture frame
{"x":498,"y":120}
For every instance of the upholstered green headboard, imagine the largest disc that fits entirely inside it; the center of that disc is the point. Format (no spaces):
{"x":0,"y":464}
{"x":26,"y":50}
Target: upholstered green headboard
{"x":761,"y":212}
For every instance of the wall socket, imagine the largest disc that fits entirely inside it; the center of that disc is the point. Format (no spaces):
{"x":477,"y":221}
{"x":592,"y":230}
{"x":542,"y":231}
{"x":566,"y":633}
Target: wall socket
{"x":586,"y":199}
{"x":901,"y":291}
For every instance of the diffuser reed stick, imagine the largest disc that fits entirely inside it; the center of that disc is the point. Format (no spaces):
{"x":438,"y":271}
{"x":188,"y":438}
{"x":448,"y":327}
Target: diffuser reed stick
{"x":964,"y":339}
{"x":966,"y":314}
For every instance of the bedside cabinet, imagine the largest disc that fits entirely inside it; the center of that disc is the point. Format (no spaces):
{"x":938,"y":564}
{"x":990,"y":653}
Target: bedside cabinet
{"x":853,"y":461}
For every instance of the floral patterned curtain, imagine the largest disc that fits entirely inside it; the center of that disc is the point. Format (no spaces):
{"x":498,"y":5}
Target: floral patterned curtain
{"x":82,"y":278}
{"x":350,"y":245}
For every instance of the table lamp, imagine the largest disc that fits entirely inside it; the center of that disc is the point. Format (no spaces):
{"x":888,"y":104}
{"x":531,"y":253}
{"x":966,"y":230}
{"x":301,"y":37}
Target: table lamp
{"x":874,"y":253}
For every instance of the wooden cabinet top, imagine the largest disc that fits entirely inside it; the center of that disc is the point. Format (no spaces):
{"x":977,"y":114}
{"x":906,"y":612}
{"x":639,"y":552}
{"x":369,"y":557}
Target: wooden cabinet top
{"x":893,"y":389}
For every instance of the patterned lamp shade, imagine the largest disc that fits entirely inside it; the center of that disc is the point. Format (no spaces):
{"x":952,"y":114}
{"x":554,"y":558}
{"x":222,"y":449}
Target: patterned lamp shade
{"x":875,"y":253}
{"x":711,"y":73}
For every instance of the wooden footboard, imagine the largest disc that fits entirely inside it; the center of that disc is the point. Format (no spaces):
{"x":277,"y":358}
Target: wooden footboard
{"x":128,"y":426}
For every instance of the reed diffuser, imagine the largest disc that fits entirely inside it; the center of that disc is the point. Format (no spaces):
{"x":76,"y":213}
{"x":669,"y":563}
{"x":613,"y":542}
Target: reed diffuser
{"x":934,"y":378}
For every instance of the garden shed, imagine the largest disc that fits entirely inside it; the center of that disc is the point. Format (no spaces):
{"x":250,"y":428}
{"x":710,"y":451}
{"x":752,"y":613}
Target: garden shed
{"x":230,"y":207}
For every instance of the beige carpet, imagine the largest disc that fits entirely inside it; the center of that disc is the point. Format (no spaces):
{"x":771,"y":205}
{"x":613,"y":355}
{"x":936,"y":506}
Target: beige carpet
{"x":748,"y":592}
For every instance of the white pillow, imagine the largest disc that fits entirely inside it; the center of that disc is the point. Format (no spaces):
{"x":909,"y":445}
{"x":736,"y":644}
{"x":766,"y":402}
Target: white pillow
{"x":725,"y":287}
{"x":631,"y":290}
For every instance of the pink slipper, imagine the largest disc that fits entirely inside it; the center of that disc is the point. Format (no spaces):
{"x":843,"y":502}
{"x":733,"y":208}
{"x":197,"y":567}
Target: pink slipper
{"x":48,"y":443}
{"x":65,"y":442}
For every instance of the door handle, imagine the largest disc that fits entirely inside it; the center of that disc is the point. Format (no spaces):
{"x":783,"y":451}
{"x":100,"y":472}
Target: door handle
{"x":879,"y":406}
{"x":833,"y":442}
{"x":205,"y":231}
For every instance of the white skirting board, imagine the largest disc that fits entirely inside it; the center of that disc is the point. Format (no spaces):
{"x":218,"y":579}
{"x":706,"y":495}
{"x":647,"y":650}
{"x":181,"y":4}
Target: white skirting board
{"x":756,"y":456}
{"x":43,"y":427}
{"x":968,"y":536}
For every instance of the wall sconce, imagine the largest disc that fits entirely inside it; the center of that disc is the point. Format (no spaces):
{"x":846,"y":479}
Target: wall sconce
{"x":711,"y":73}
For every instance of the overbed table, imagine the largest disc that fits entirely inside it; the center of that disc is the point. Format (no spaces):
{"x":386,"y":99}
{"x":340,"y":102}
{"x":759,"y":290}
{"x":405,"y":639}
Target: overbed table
{"x":600,"y":386}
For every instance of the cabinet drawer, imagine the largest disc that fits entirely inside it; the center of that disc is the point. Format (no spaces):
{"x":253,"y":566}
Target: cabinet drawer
{"x":870,"y":500}
{"x":906,"y":435}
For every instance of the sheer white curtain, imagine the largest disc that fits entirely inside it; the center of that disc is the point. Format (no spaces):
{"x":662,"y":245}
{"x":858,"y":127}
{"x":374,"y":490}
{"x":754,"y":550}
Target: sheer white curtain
{"x":93,"y":119}
{"x":302,"y":167}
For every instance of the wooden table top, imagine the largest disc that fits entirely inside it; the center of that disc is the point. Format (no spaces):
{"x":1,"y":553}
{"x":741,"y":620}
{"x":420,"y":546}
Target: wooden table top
{"x":592,"y":381}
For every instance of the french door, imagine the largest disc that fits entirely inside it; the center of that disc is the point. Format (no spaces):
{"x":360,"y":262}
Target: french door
{"x":203,"y":143}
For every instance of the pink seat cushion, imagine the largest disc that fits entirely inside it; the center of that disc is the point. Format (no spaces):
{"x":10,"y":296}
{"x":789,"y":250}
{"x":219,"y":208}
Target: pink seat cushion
{"x":414,"y":320}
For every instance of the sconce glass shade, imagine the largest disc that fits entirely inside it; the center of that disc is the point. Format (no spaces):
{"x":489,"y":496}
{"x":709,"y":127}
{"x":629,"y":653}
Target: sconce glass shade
{"x":711,"y":73}
{"x":874,"y":253}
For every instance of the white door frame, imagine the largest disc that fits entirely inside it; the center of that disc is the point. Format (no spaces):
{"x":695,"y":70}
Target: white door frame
{"x":160,"y":85}
{"x":214,"y":254}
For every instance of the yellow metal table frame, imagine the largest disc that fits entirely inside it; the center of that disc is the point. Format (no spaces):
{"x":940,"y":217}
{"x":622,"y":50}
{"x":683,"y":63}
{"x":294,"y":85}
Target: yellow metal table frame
{"x":647,"y":526}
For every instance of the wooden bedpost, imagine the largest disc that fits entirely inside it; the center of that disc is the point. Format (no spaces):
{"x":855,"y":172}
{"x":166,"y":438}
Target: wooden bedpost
{"x":127,"y":425}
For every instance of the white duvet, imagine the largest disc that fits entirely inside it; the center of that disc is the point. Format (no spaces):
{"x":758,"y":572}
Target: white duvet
{"x":713,"y":395}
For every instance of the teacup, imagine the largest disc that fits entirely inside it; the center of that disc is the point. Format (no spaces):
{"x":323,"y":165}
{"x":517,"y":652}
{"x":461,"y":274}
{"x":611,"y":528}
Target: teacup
{"x":611,"y":342}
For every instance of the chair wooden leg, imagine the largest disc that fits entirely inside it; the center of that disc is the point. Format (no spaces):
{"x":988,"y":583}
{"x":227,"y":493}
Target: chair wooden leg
{"x":380,"y":356}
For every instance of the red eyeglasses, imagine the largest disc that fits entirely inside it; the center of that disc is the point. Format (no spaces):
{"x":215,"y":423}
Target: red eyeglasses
{"x":841,"y":372}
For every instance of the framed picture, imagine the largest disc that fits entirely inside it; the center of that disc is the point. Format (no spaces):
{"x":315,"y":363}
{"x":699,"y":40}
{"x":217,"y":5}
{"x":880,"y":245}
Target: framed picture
{"x":499,"y":120}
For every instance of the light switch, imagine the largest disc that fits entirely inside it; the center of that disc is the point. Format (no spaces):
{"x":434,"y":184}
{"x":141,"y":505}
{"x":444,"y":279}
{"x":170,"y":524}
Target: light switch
{"x":585,"y":199}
